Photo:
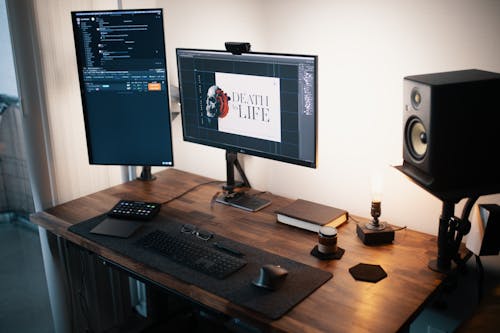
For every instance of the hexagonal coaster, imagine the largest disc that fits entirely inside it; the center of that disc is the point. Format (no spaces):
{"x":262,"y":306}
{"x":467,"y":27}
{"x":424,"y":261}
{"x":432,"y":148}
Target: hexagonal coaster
{"x":367,"y":272}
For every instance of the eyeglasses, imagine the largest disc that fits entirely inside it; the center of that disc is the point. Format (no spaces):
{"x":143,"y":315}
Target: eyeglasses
{"x":201,"y":234}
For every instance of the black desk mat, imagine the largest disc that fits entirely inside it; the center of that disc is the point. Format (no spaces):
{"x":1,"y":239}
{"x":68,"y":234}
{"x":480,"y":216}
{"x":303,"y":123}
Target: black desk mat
{"x":301,"y":281}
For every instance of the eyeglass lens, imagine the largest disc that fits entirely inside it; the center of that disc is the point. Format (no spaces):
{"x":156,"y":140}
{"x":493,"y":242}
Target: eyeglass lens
{"x":202,"y":234}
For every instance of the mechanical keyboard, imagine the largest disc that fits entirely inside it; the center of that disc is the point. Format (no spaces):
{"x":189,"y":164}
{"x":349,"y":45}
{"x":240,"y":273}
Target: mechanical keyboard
{"x":192,"y":253}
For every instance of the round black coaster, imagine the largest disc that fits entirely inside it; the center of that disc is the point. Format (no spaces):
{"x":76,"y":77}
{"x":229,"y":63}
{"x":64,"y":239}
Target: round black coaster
{"x":327,"y":256}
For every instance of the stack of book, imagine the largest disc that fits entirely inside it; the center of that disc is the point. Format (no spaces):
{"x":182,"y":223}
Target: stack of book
{"x":311,"y":216}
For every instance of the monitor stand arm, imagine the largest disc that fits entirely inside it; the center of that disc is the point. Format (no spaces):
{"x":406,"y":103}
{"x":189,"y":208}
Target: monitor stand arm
{"x":231,"y":162}
{"x":146,"y":174}
{"x":239,"y":199}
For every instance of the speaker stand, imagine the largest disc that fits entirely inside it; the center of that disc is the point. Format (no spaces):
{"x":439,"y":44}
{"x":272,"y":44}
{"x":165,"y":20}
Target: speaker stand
{"x":450,"y":234}
{"x":442,"y":263}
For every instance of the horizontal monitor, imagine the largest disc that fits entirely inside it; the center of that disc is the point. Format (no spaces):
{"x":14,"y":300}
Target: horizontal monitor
{"x":260,"y":104}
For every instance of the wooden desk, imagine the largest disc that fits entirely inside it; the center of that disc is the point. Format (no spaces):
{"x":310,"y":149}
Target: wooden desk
{"x":340,"y":305}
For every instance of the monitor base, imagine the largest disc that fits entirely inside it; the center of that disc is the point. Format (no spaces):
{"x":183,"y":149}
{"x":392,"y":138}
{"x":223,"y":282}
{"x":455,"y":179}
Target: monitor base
{"x":243,"y":201}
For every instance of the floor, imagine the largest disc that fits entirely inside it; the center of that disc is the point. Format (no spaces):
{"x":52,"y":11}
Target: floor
{"x":24,"y":305}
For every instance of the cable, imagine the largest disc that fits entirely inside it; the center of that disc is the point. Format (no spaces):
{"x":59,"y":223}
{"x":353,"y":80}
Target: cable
{"x":214,"y":199}
{"x":468,"y":207}
{"x":400,"y":228}
{"x":359,"y":222}
{"x":355,"y":221}
{"x":261,"y":193}
{"x":460,"y":228}
{"x":480,"y":278}
{"x":190,"y":190}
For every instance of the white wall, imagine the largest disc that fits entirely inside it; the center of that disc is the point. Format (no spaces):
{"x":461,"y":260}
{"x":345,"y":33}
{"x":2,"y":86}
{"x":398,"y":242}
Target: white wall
{"x":365,"y":48}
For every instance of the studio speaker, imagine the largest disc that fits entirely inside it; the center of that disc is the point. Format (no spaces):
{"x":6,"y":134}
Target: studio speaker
{"x":451,"y":124}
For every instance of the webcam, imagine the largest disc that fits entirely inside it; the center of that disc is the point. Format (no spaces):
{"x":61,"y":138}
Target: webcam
{"x":237,"y":47}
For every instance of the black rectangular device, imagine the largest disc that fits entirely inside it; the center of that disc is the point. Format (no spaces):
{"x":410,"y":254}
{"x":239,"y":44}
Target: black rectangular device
{"x":135,"y":210}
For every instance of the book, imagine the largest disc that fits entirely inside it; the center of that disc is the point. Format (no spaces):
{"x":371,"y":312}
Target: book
{"x":310,"y":215}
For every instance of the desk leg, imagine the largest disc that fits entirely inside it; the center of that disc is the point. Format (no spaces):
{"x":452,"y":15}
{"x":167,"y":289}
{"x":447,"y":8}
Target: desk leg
{"x":53,"y":262}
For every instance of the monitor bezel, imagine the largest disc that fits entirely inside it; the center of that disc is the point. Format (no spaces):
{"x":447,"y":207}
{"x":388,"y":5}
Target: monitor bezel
{"x":235,"y":149}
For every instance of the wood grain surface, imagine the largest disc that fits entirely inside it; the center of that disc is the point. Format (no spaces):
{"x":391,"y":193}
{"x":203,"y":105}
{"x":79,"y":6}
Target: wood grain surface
{"x":340,"y":305}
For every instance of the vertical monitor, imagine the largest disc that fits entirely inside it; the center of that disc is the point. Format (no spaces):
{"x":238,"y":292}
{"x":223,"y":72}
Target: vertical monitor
{"x":123,"y":83}
{"x":261,"y":104}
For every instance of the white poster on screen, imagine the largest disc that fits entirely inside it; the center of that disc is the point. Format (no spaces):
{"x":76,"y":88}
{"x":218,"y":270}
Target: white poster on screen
{"x":254,"y":105}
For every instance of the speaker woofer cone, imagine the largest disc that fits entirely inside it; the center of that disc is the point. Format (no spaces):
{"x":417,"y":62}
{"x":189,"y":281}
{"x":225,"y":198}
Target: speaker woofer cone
{"x":416,"y":138}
